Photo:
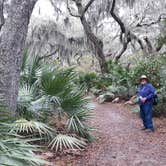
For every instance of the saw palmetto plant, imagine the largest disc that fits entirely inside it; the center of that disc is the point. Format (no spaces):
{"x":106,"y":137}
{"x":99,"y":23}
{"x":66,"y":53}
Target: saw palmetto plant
{"x":68,"y":99}
{"x":16,"y":150}
{"x":44,"y":98}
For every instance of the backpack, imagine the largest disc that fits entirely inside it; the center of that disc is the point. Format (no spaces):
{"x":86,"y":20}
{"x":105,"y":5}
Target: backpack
{"x":155,"y":99}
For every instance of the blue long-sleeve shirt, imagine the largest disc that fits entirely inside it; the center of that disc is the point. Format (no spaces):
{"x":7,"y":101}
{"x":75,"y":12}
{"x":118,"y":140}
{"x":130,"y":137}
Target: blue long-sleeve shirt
{"x":148,"y":91}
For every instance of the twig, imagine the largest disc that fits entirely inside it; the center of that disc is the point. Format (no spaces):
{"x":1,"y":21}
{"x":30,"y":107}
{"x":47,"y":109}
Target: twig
{"x":48,"y":55}
{"x":153,"y":22}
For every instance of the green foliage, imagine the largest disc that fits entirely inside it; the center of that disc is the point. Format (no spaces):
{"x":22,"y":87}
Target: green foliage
{"x":123,"y":81}
{"x":150,"y":67}
{"x":161,"y":107}
{"x":57,"y":82}
{"x":118,"y":73}
{"x":65,"y":96}
{"x":15,"y":150}
{"x":62,"y":92}
{"x":25,"y":97}
{"x":87,"y":80}
{"x":30,"y":69}
{"x":118,"y":91}
{"x":135,"y":109}
{"x":103,"y":81}
{"x":93,"y":80}
{"x":117,"y":81}
{"x":162,"y":38}
{"x":23,"y":126}
{"x":77,"y":124}
{"x":62,"y":141}
{"x":47,"y":92}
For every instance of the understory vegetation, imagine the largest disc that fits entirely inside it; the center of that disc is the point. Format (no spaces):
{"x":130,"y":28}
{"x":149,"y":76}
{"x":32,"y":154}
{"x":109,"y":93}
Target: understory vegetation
{"x":75,"y":52}
{"x":53,"y":108}
{"x":52,"y":111}
{"x":123,"y":81}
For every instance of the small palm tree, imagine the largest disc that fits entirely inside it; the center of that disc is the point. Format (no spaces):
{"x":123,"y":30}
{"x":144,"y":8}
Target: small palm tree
{"x":65,"y":96}
{"x":47,"y":92}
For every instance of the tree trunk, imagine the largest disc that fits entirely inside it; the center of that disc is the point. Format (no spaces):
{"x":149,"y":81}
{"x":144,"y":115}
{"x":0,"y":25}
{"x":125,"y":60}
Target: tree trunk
{"x":98,"y":44}
{"x":12,"y":39}
{"x":1,"y":13}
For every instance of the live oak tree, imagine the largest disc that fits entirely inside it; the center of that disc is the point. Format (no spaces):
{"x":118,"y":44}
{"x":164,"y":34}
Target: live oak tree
{"x":127,"y":36}
{"x":97,"y":43}
{"x":13,"y":31}
{"x":132,"y":30}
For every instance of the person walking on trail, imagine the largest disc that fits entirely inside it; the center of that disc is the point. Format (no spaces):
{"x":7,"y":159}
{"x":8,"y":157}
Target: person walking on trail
{"x":145,"y":94}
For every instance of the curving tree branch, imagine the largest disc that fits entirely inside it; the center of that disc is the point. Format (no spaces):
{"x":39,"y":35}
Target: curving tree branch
{"x":87,"y":6}
{"x":116,"y":18}
{"x":97,"y":43}
{"x":126,"y":36}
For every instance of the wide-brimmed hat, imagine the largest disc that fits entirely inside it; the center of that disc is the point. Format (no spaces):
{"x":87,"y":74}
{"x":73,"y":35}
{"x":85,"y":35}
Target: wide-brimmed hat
{"x":144,"y":77}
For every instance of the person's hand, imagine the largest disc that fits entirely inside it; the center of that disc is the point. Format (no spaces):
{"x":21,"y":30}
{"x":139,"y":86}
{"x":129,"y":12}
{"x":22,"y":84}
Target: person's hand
{"x":143,"y":99}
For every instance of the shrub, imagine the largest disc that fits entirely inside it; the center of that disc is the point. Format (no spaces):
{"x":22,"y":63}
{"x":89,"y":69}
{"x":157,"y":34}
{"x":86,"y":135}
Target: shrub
{"x":16,"y":150}
{"x":149,"y":67}
{"x":87,"y":80}
{"x":52,"y":95}
{"x":161,"y":107}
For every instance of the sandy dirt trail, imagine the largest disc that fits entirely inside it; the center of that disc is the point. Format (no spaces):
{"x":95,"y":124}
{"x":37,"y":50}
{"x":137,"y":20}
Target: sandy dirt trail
{"x":120,"y":142}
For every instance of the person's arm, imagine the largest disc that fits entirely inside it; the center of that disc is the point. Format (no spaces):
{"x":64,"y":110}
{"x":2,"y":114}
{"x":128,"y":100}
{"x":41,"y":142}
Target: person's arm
{"x":152,"y":92}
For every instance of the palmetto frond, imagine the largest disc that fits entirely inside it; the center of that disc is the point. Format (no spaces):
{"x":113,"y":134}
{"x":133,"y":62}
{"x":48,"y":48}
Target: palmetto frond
{"x":24,"y":101}
{"x":25,"y":96}
{"x":14,"y":149}
{"x":58,"y":95}
{"x":78,"y":124}
{"x":59,"y":87}
{"x":61,"y":142}
{"x":30,"y":69}
{"x":18,"y":152}
{"x":31,"y":127}
{"x":73,"y":102}
{"x":57,"y":82}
